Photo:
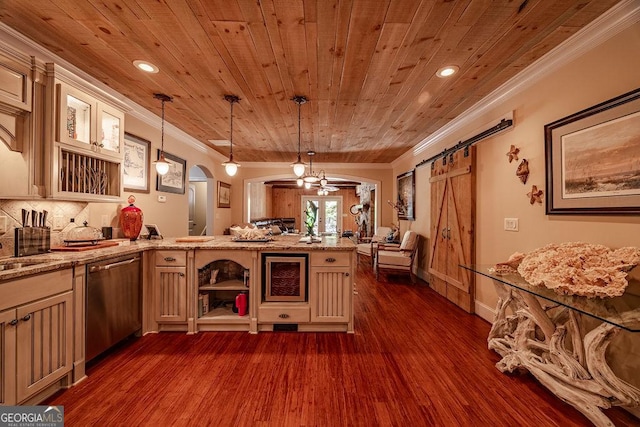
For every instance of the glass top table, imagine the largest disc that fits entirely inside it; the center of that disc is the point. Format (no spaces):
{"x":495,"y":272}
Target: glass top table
{"x":622,"y":311}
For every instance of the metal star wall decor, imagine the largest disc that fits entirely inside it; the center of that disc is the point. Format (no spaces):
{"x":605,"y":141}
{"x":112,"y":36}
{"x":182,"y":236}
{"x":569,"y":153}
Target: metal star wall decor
{"x":523,"y":171}
{"x":535,"y":195}
{"x":513,"y":153}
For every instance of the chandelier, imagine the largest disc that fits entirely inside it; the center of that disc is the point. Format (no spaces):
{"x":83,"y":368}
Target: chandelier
{"x":299,"y":166}
{"x":312,"y":177}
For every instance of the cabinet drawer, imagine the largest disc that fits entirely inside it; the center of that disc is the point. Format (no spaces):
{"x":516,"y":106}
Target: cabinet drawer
{"x":171,"y":258}
{"x":328,"y":259}
{"x":21,"y":291}
{"x":284,"y":314}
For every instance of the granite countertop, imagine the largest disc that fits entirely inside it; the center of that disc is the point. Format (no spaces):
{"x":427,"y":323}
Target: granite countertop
{"x":56,"y":260}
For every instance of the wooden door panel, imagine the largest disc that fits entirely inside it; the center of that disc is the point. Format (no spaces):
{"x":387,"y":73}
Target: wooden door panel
{"x":8,"y":357}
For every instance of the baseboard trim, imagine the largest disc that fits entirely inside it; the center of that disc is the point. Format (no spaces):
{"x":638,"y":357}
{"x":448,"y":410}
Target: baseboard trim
{"x":484,"y":311}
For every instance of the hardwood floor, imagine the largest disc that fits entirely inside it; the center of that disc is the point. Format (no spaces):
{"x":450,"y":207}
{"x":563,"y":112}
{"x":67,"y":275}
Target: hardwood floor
{"x":415,"y":360}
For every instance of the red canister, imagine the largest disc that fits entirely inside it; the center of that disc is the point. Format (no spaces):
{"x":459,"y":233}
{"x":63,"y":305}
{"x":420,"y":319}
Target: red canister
{"x":241,"y":303}
{"x":131,"y":220}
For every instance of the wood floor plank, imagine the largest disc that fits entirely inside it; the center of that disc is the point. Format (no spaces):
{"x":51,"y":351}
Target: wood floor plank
{"x":415,"y":359}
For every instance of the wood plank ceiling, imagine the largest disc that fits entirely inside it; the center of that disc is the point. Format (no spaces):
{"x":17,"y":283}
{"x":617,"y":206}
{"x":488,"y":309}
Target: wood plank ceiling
{"x":367,"y":66}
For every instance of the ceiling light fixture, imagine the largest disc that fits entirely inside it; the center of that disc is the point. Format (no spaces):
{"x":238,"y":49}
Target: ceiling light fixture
{"x":162,"y":165}
{"x":230,"y":166}
{"x":447,"y":71}
{"x":146,"y":66}
{"x":299,"y":166}
{"x":312,"y":178}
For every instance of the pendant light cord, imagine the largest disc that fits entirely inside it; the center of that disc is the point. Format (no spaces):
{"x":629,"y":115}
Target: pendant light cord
{"x":232,"y":99}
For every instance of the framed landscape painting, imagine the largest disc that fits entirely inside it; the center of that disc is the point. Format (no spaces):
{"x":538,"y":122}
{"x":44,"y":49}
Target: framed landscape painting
{"x":593,"y":159}
{"x":224,"y":195}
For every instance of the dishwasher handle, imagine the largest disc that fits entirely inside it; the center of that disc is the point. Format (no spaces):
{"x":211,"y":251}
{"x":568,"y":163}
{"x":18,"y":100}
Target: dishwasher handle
{"x":95,"y":268}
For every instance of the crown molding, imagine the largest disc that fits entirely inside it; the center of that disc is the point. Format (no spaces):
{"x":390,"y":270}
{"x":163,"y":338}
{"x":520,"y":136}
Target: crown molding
{"x":19,"y":44}
{"x":618,"y":18}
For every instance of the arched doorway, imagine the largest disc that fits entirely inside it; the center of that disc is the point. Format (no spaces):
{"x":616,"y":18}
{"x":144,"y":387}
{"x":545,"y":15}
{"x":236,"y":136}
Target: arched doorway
{"x":201,"y":201}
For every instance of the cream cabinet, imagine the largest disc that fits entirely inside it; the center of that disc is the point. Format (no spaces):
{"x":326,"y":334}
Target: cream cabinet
{"x":86,"y":123}
{"x":85,"y":139}
{"x":170,"y":289}
{"x":331,"y":287}
{"x":36,"y":337}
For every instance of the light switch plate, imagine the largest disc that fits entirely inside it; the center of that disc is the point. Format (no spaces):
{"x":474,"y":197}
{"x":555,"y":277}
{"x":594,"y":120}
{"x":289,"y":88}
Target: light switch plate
{"x":162,"y":199}
{"x":3,"y":224}
{"x":511,"y":224}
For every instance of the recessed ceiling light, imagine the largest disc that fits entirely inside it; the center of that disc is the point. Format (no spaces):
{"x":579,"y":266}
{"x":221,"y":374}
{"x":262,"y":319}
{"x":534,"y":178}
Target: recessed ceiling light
{"x":447,"y":71}
{"x":146,"y":66}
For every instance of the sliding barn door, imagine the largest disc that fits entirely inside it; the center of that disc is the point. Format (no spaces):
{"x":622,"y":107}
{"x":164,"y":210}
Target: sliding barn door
{"x":452,"y":227}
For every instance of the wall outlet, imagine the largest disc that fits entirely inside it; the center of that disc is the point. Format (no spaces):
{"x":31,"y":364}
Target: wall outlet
{"x":511,"y":224}
{"x":162,"y":199}
{"x":58,"y":222}
{"x":3,"y":224}
{"x":105,"y":221}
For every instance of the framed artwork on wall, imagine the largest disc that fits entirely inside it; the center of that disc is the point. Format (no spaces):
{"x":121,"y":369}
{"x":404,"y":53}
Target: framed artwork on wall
{"x":135,"y":164}
{"x":592,"y":159}
{"x":224,"y":195}
{"x":406,"y":194}
{"x":172,"y":181}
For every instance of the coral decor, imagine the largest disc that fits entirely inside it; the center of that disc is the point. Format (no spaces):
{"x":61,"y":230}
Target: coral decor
{"x":131,"y":219}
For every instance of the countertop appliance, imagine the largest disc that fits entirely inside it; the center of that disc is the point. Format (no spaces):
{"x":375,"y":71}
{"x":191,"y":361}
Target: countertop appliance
{"x":113,"y":302}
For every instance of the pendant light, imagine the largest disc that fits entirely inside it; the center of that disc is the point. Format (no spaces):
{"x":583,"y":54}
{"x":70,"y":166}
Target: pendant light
{"x":230,"y":166}
{"x":299,"y":166}
{"x":162,"y":165}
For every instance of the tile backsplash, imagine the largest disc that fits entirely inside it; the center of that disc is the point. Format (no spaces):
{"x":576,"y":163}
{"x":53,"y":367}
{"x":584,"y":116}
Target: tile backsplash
{"x":62,"y":212}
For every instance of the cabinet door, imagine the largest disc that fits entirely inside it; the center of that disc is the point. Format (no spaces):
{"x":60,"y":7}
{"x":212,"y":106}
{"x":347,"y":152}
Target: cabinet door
{"x":44,"y":343}
{"x":110,"y":123}
{"x":8,"y":322}
{"x":330,"y":295}
{"x":170,"y":294}
{"x":76,"y":117}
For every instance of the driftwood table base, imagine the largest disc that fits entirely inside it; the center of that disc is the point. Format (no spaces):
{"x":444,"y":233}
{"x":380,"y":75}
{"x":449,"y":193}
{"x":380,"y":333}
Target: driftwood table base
{"x":548,"y":341}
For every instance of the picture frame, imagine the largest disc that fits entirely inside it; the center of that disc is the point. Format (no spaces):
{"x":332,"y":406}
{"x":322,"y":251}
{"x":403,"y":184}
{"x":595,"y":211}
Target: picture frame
{"x":224,"y":195}
{"x":174,"y":180}
{"x":592,"y":159}
{"x":406,"y":186}
{"x":135,"y":164}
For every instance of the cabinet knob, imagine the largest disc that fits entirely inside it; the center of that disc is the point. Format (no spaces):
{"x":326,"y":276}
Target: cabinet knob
{"x":14,"y":322}
{"x":346,"y":274}
{"x":169,"y":258}
{"x":27,"y":317}
{"x":181,"y":274}
{"x":330,"y":260}
{"x":283,"y":316}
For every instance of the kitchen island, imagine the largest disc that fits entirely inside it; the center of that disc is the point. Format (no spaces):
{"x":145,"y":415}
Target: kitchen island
{"x":288,"y":284}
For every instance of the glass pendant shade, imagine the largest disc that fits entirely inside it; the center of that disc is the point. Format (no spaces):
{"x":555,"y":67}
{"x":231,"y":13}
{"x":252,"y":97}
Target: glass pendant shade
{"x":323,"y":181}
{"x":298,"y":168}
{"x":231,"y":167}
{"x":300,"y":182}
{"x":307,"y":185}
{"x":162,"y":166}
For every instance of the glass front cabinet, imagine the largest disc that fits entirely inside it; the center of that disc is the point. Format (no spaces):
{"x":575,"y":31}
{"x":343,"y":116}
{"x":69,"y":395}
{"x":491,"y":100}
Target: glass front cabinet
{"x":87,"y":140}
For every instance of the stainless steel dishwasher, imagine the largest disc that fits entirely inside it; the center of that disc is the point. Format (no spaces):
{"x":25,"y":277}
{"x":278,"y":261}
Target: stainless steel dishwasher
{"x":113,"y":302}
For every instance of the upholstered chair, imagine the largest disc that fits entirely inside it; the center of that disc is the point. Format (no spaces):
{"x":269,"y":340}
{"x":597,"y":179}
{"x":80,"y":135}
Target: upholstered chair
{"x":397,"y":258}
{"x":368,"y":245}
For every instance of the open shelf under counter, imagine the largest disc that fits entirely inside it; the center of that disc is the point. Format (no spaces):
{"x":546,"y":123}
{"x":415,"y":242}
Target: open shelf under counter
{"x":223,"y":319}
{"x":227,"y":285}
